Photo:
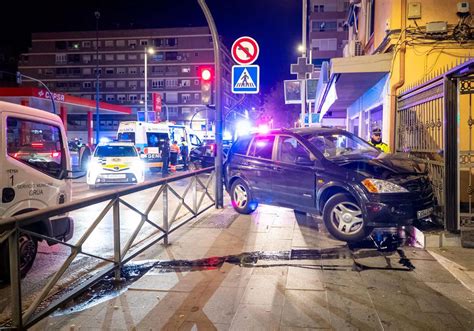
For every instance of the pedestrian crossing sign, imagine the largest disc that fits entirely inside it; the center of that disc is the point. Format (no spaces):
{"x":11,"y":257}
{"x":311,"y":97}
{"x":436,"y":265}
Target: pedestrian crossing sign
{"x":246,"y":79}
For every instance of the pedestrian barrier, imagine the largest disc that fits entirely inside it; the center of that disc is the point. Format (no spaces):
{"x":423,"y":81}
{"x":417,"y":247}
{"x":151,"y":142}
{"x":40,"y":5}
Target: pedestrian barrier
{"x":27,"y":317}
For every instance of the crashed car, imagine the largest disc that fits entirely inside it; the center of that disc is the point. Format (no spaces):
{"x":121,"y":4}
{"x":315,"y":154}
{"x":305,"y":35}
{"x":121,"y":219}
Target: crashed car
{"x":115,"y":163}
{"x":331,"y":172}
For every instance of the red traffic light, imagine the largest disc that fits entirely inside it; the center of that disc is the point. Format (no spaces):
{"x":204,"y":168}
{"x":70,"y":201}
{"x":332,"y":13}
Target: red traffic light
{"x":205,"y":73}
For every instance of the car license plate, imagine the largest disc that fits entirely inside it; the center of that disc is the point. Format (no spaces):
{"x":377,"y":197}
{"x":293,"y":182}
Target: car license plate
{"x":118,"y":176}
{"x":424,"y":213}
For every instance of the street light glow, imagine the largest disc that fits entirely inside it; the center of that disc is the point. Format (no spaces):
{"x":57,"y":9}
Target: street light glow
{"x":151,"y":51}
{"x":301,"y":49}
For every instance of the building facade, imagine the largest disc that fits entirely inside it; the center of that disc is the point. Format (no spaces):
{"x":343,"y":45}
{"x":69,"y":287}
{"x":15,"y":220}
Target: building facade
{"x":76,"y":62}
{"x":412,"y":76}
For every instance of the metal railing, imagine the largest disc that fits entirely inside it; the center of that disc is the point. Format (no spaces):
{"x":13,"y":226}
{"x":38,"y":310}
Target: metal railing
{"x":24,"y":319}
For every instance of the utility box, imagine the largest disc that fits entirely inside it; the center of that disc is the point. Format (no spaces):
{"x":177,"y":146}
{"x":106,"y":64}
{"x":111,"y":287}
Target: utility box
{"x":437,"y":27}
{"x":414,"y":10}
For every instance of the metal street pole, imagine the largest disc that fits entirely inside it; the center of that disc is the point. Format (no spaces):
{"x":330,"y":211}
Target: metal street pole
{"x":146,"y":86}
{"x":97,"y":116}
{"x":303,"y":43}
{"x":45,"y":86}
{"x":218,"y":160}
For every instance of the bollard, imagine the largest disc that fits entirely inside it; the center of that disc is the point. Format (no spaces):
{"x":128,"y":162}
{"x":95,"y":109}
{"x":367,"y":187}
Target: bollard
{"x":195,"y":195}
{"x":15,"y":279}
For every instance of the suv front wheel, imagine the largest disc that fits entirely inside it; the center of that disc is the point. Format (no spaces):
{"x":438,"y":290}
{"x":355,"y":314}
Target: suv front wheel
{"x":344,"y":218}
{"x":242,"y":199}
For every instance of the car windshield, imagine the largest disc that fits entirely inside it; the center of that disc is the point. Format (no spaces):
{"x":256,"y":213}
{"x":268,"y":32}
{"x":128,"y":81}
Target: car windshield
{"x":341,"y":145}
{"x":115,"y":151}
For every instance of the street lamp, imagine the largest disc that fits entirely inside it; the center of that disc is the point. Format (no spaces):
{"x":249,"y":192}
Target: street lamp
{"x":150,"y":51}
{"x":97,"y":75}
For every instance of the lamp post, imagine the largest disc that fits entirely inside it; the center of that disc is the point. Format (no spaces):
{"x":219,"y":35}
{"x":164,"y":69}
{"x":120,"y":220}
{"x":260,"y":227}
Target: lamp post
{"x":150,"y":51}
{"x":97,"y":120}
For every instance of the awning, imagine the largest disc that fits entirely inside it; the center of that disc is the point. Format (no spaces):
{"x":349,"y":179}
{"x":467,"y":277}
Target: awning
{"x":350,"y":78}
{"x":73,"y":104}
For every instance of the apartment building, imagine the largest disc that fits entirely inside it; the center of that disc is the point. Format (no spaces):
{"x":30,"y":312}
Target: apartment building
{"x":69,"y":62}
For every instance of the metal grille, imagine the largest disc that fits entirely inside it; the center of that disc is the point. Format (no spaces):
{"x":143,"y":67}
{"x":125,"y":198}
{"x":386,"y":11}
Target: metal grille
{"x":419,"y":131}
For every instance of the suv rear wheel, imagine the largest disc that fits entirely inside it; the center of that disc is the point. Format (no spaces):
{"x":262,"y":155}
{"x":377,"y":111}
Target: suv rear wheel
{"x":344,"y":218}
{"x":242,"y":199}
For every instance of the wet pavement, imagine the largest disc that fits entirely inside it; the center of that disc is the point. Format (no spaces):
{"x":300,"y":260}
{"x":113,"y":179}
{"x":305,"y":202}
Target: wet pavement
{"x":273,"y":270}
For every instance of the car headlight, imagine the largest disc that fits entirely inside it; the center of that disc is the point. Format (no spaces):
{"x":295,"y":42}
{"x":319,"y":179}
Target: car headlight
{"x":382,"y":186}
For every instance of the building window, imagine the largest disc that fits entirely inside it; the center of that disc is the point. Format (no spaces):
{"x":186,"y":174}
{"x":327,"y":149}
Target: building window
{"x":110,"y":97}
{"x":143,"y":42}
{"x":109,"y":71}
{"x":133,"y":84}
{"x":86,"y":71}
{"x":172,"y":97}
{"x":171,"y":83}
{"x":319,"y":8}
{"x":73,"y":45}
{"x":132,"y":43}
{"x":121,"y":84}
{"x":159,"y":70}
{"x":185,"y":70}
{"x":94,"y":43}
{"x":109,"y":57}
{"x":61,"y":45}
{"x":121,"y":71}
{"x":132,"y":56}
{"x":94,"y":57}
{"x":121,"y":97}
{"x":120,"y":57}
{"x":370,"y":18}
{"x":142,"y":84}
{"x":120,"y":43}
{"x":185,"y":83}
{"x":185,"y":98}
{"x":142,"y":56}
{"x":61,"y":58}
{"x":133,"y":97}
{"x":87,"y":85}
{"x":172,"y":70}
{"x":196,"y":82}
{"x":196,"y":54}
{"x":110,"y":84}
{"x":132,"y":70}
{"x":86,"y":59}
{"x":100,"y":84}
{"x":98,"y":71}
{"x":86,"y":44}
{"x":109,"y":43}
{"x":329,"y":44}
{"x":324,"y":26}
{"x":157,"y":83}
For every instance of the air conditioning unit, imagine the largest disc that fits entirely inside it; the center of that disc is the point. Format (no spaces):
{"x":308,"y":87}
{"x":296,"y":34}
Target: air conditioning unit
{"x":353,"y":48}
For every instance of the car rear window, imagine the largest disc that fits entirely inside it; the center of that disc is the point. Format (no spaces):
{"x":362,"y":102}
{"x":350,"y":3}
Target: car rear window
{"x":115,"y":151}
{"x":241,"y":145}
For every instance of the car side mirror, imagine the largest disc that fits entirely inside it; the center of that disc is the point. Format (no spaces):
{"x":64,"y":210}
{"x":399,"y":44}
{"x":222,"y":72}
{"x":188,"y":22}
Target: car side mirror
{"x":304,"y":161}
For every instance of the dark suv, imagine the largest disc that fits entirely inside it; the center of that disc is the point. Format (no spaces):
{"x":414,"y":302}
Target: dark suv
{"x":330,"y":172}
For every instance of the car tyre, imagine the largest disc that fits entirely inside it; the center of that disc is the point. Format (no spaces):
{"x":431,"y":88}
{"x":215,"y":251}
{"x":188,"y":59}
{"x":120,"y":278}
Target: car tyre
{"x":242,"y":198}
{"x":28,"y":247}
{"x":344,"y":218}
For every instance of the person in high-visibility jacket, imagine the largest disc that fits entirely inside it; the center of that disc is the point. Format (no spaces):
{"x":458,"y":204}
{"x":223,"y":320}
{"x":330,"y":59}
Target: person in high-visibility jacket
{"x":184,"y":153}
{"x":174,"y":155}
{"x":376,"y":140}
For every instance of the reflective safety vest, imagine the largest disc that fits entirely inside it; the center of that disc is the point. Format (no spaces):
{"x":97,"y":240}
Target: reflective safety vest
{"x":381,"y":146}
{"x":174,"y":148}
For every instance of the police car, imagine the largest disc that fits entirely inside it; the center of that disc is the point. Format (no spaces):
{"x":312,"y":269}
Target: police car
{"x":115,"y":163}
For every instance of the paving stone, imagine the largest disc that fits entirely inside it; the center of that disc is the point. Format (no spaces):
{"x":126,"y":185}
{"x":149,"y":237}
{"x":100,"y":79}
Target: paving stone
{"x":304,"y":279}
{"x":256,"y":317}
{"x":307,"y":309}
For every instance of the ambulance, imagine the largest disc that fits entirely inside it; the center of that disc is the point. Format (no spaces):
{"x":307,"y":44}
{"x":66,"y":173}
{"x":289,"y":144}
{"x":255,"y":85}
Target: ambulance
{"x":150,"y":137}
{"x":35,"y":174}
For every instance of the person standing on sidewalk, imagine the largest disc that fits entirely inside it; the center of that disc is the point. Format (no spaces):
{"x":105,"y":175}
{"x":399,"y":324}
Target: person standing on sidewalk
{"x":174,"y":155}
{"x":165,"y":157}
{"x":184,"y":153}
{"x":376,"y":140}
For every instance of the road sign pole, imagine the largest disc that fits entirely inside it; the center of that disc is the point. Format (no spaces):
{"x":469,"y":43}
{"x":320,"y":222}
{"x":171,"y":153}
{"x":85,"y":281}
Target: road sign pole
{"x":218,"y":160}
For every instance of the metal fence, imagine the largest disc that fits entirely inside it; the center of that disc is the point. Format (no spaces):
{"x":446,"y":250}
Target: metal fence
{"x":420,"y":130}
{"x":192,"y":199}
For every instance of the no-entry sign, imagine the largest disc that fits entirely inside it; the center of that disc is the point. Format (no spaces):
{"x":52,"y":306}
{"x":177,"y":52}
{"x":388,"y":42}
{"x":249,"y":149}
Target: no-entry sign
{"x":245,"y":50}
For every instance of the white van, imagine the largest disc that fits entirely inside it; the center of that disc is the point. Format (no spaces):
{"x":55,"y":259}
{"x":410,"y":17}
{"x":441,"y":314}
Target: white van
{"x":150,"y":137}
{"x":34,"y":164}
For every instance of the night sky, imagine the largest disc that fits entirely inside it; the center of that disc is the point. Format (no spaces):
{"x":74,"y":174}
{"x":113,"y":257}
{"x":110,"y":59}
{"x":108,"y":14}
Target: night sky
{"x":275,"y":24}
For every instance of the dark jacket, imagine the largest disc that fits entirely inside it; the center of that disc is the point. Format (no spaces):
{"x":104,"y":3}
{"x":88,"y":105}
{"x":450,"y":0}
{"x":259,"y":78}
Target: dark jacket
{"x":165,"y":150}
{"x":184,"y":148}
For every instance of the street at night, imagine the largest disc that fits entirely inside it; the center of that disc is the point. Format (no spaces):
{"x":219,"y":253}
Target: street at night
{"x":209,"y":165}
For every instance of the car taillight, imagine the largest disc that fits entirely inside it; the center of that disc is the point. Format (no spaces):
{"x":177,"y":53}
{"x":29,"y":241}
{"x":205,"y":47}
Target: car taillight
{"x":213,"y":149}
{"x":55,"y":154}
{"x":37,"y":145}
{"x":145,"y":150}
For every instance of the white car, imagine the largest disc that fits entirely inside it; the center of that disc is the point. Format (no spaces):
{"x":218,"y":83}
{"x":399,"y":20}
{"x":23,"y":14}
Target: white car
{"x":115,"y":163}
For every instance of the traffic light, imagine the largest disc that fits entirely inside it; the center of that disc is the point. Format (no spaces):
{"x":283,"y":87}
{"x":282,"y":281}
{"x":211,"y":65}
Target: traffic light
{"x":207,"y":76}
